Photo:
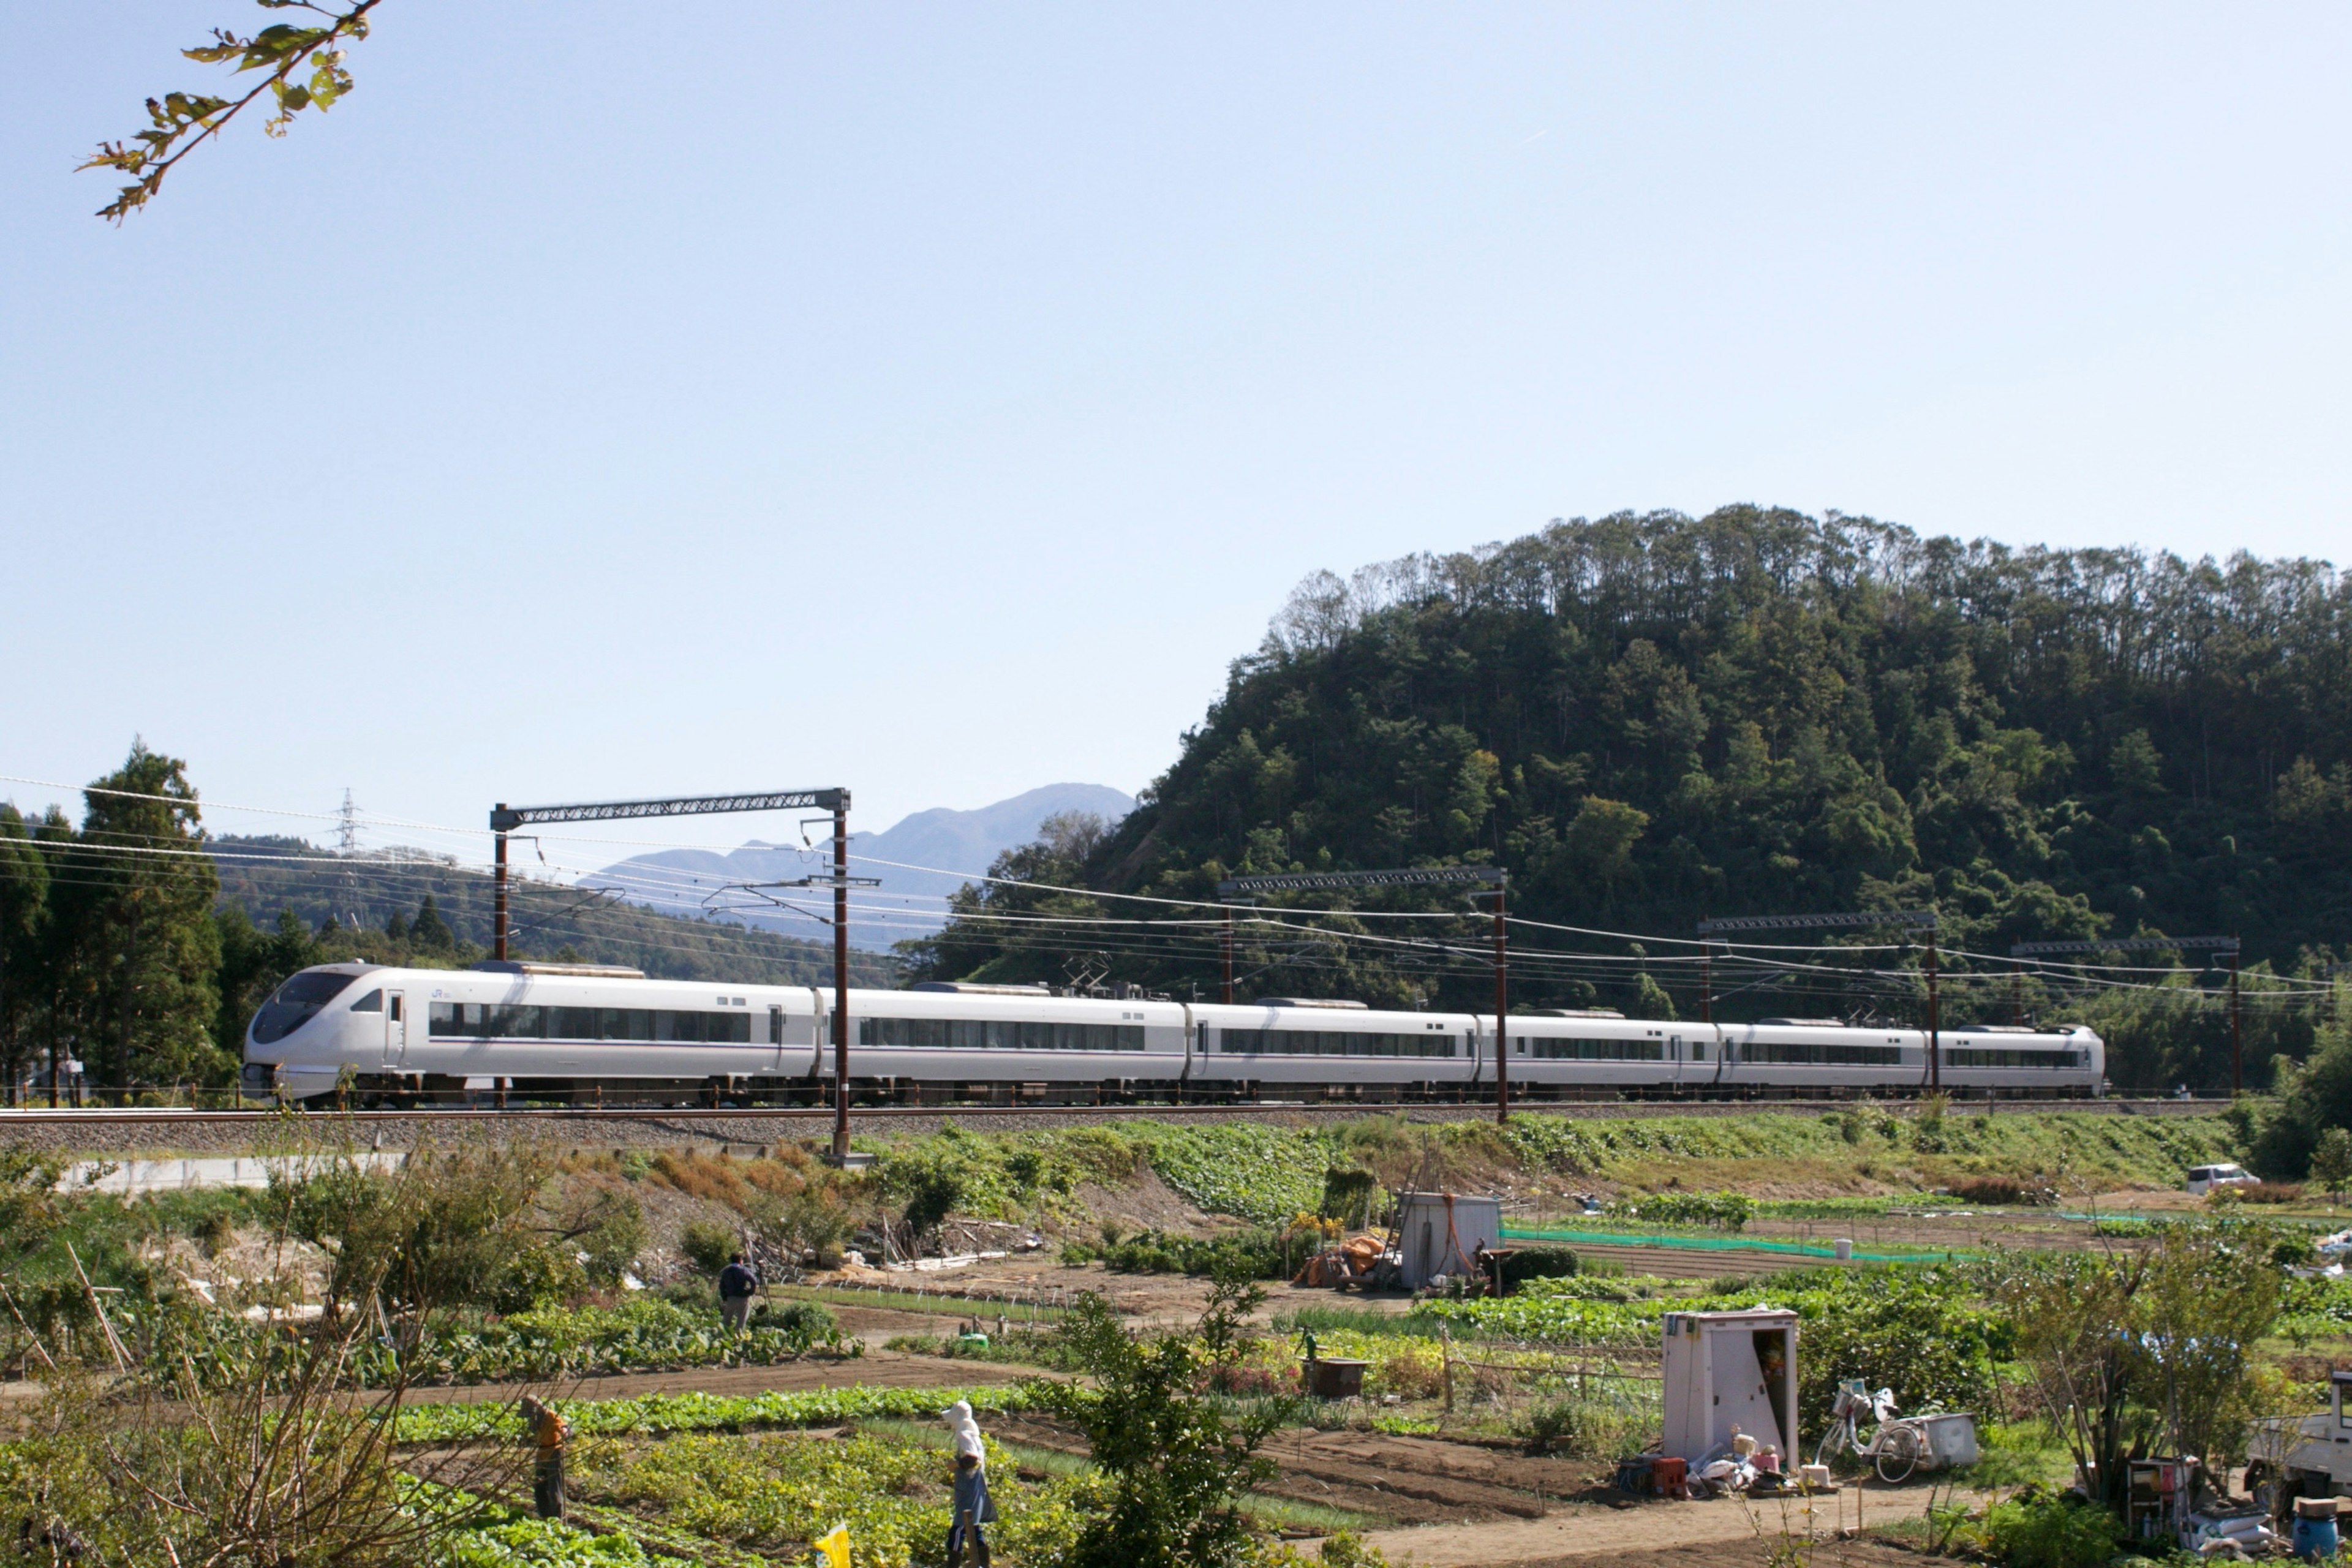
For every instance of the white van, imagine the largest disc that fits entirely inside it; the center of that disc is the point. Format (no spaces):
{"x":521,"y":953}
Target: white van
{"x":2203,"y":1179}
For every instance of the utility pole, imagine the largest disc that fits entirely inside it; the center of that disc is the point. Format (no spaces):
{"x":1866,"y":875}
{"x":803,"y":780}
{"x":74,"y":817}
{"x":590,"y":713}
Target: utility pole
{"x":841,"y":977}
{"x":499,"y":900}
{"x":1225,"y":944}
{"x":840,"y":881}
{"x":1935,"y":1021}
{"x":1707,"y":983}
{"x":2237,"y":1037}
{"x":1502,"y":1010}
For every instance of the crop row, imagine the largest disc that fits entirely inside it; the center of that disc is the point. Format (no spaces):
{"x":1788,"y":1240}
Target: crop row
{"x":655,"y":1415}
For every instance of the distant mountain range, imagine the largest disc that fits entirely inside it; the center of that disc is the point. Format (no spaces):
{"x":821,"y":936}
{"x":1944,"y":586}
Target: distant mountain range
{"x":921,"y":861}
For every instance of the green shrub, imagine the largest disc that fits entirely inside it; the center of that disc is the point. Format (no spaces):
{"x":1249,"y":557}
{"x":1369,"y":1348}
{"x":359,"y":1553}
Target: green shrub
{"x":708,"y":1245}
{"x":1527,"y":1263}
{"x":812,"y":1322}
{"x":1259,"y":1253}
{"x":2002,"y":1190}
{"x":1719,"y":1211}
{"x":2037,"y":1529}
{"x":537,"y":1277}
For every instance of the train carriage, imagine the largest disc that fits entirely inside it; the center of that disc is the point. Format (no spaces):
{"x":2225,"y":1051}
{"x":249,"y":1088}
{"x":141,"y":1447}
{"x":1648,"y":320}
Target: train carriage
{"x":579,"y":1032}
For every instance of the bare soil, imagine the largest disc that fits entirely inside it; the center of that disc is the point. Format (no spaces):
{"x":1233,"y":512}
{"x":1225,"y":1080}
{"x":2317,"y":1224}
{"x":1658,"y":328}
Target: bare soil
{"x":1598,"y":1522}
{"x":887,"y":1369}
{"x":1633,"y":1544}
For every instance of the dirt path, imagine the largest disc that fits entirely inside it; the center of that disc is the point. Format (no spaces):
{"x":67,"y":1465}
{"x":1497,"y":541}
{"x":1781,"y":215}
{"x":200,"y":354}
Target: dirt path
{"x":1597,"y":1524}
{"x":1742,"y":1551}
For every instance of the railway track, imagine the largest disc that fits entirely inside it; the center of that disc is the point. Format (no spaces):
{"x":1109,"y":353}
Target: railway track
{"x":881,"y":1116}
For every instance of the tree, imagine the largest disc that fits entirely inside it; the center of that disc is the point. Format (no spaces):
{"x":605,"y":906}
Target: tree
{"x":24,"y":974}
{"x":180,"y":122}
{"x":141,"y":952}
{"x":2146,"y":1353}
{"x":2331,"y":1161}
{"x":2310,"y":1099}
{"x":1179,"y":1463}
{"x":253,"y":964}
{"x":429,"y":930}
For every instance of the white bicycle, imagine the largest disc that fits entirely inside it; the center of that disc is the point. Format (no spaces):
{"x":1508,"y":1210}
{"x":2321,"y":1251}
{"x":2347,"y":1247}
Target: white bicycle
{"x":1896,"y":1445}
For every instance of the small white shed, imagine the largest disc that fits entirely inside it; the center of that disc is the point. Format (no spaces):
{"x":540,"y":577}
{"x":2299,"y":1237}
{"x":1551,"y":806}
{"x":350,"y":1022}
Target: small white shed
{"x":1441,"y":1233}
{"x":1727,"y":1372}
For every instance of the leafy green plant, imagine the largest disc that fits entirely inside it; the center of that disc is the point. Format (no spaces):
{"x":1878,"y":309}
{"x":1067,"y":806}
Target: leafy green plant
{"x":708,"y":1245}
{"x":1179,"y":1461}
{"x":1523,"y":1263}
{"x":2039,"y":1530}
{"x":1721,"y":1211}
{"x":654,"y":1415}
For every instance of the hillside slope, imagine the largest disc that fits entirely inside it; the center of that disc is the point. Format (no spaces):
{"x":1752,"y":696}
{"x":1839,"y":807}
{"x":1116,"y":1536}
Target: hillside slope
{"x":1651,"y":720}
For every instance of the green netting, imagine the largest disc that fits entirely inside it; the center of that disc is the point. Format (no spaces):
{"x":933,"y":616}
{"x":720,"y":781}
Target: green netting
{"x":1720,"y":1244}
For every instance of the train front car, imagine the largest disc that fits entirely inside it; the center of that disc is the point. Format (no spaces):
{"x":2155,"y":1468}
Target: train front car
{"x":566,"y":1032}
{"x":316,"y":1024}
{"x":1286,"y":1047}
{"x":2059,"y":1062}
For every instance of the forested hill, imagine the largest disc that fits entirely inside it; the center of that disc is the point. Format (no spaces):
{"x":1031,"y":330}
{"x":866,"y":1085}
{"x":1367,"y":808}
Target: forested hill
{"x":1654,"y":718}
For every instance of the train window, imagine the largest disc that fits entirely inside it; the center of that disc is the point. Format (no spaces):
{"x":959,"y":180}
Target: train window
{"x":995,"y":1034}
{"x":370,"y":1002}
{"x":573,"y":1024}
{"x":1807,"y":1053}
{"x":296,"y":1002}
{"x":395,"y":1006}
{"x":1643,"y":1051}
{"x":625,"y":1023}
{"x":1698,"y":1050}
{"x":2013,"y":1058}
{"x":485,"y":1021}
{"x":1331,"y":1043}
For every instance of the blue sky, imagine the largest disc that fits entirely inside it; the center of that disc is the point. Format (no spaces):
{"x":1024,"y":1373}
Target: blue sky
{"x":616,"y":399}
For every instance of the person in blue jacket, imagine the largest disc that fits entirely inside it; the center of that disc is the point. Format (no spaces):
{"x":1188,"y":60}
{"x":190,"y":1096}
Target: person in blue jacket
{"x":737,"y":1286}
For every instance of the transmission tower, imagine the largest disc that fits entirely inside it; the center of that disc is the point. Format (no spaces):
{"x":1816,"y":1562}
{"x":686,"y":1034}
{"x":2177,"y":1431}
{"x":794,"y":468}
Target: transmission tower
{"x":347,"y":837}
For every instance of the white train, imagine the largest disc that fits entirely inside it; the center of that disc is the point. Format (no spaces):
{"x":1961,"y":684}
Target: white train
{"x":575,"y":1033}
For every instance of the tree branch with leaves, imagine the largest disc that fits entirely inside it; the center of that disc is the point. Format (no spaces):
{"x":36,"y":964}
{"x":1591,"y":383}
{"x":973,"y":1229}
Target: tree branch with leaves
{"x":303,"y":66}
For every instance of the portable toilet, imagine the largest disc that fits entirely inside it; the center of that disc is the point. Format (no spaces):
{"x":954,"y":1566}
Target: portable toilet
{"x":1727,"y":1372}
{"x":1442,"y":1233}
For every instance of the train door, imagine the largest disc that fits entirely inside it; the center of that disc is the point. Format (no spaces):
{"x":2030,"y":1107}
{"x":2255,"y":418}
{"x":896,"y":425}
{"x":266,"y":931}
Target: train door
{"x":395,"y":1031}
{"x":1675,"y":1058}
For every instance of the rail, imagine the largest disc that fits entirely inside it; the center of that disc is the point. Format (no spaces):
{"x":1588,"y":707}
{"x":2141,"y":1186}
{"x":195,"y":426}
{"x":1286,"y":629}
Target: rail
{"x":187,"y":1116}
